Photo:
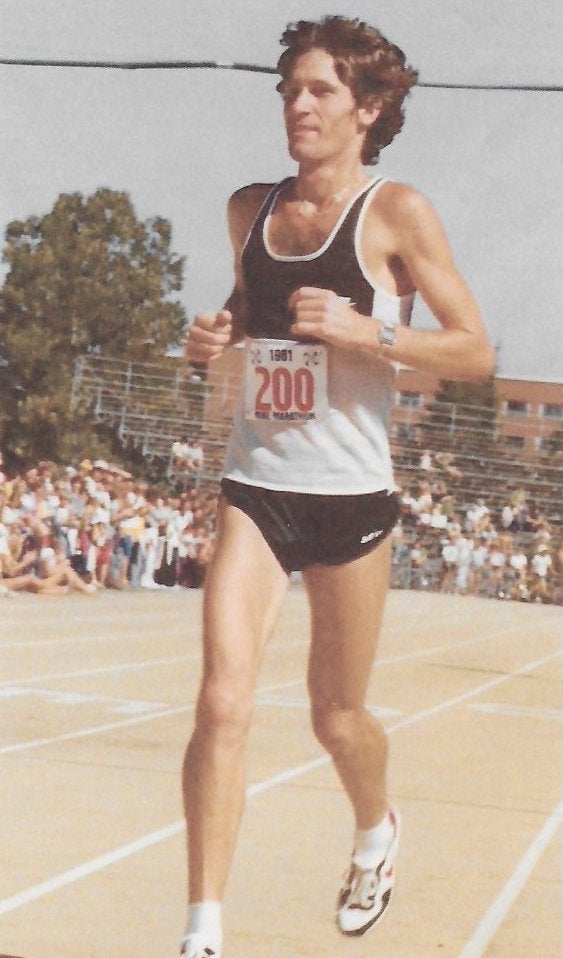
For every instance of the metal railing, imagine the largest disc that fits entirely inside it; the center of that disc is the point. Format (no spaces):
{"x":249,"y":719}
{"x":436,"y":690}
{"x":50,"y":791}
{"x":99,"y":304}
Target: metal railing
{"x":151,"y":405}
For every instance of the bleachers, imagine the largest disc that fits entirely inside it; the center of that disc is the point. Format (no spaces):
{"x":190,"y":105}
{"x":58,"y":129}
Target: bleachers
{"x":151,"y":405}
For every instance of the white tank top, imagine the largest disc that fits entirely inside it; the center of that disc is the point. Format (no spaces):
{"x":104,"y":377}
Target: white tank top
{"x":292,"y":429}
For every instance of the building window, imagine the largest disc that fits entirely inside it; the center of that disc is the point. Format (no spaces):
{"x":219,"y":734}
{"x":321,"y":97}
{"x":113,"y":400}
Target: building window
{"x":515,"y":442}
{"x":516,"y":407}
{"x":410,"y":399}
{"x":553,"y":410}
{"x":403,"y":432}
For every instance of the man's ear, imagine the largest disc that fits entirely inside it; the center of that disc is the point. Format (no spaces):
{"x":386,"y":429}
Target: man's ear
{"x":369,"y":111}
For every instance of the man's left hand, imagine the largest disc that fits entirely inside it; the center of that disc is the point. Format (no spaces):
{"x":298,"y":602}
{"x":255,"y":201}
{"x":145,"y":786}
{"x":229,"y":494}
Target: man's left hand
{"x":323,"y":315}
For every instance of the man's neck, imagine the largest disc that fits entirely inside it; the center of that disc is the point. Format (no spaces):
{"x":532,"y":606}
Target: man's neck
{"x":324,"y":186}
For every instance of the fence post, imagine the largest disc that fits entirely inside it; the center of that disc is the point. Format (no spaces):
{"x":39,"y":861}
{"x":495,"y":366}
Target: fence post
{"x":76,"y":382}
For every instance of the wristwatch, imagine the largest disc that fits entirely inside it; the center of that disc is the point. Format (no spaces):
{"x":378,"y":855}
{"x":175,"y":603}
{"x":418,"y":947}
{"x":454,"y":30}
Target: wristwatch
{"x":387,"y":335}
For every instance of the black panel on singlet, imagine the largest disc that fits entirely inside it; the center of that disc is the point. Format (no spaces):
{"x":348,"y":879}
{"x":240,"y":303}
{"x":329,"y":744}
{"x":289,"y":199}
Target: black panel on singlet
{"x":270,"y":282}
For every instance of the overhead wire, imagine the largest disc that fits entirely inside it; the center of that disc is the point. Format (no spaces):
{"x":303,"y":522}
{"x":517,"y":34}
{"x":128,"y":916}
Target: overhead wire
{"x":249,"y":68}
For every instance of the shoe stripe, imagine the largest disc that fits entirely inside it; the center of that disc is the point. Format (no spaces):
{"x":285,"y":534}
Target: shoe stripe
{"x":356,"y":932}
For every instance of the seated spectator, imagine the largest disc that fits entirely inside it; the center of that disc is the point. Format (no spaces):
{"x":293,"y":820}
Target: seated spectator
{"x":507,"y":516}
{"x":444,"y":460}
{"x":518,"y":565}
{"x":439,"y":490}
{"x":540,"y":567}
{"x":101,"y":538}
{"x":476,"y":517}
{"x":479,"y":558}
{"x":449,"y":562}
{"x":424,"y":498}
{"x":438,"y":517}
{"x":465,"y":546}
{"x":426,"y":461}
{"x":408,"y":508}
{"x":419,"y":558}
{"x":195,"y":456}
{"x":35,"y":563}
{"x":496,"y":564}
{"x":187,"y":457}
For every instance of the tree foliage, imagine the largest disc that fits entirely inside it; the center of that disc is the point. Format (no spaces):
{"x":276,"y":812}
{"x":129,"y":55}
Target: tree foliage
{"x":462,"y":414}
{"x":89,"y":276}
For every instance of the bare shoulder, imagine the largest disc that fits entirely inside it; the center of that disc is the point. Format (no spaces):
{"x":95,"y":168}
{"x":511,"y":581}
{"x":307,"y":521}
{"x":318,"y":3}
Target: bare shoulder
{"x":405,"y":217}
{"x":400,"y":205}
{"x":251,"y":194}
{"x":243,"y":208}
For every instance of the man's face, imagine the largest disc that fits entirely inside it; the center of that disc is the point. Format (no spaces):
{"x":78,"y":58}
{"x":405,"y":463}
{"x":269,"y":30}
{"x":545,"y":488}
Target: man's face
{"x":321,"y":115}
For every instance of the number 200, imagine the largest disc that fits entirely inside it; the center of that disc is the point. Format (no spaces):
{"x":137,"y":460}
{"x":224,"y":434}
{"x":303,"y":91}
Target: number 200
{"x":286,"y":389}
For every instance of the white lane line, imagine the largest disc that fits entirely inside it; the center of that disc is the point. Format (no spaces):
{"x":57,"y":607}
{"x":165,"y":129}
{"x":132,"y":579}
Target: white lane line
{"x":119,"y":667}
{"x":153,"y":838}
{"x":194,"y":656}
{"x":517,"y":711}
{"x":84,"y":640}
{"x":88,"y":868}
{"x":73,"y":699}
{"x":113,"y":726}
{"x":451,"y":646}
{"x":93,"y":730}
{"x":493,"y":919}
{"x":275,"y":701}
{"x":471,"y":693}
{"x":116,"y":638}
{"x":103,"y":670}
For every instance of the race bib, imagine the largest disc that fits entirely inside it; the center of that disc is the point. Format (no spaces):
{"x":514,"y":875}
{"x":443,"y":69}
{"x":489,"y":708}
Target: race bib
{"x":285,"y":381}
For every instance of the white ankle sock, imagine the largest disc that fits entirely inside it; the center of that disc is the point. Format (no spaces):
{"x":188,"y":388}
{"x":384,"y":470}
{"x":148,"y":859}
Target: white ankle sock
{"x":371,"y":843}
{"x":204,"y":918}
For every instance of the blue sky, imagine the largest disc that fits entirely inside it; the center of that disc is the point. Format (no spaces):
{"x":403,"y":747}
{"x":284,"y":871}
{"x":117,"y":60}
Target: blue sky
{"x":179,"y":142}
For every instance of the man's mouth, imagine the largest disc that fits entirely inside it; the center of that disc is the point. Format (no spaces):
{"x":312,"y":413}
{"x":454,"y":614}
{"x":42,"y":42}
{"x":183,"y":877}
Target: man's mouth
{"x":293,"y":130}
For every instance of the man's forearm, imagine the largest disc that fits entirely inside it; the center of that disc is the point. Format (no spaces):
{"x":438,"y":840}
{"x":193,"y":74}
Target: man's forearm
{"x":450,"y":354}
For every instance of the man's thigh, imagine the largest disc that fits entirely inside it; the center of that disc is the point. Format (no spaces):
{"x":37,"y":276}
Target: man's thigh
{"x":347,"y":604}
{"x":243,"y":591}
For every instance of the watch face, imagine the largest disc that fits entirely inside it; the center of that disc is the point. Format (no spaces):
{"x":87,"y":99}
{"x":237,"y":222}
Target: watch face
{"x":387,"y":336}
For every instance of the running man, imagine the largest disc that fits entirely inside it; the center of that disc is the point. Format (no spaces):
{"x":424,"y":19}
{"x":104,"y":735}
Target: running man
{"x":327,"y":265}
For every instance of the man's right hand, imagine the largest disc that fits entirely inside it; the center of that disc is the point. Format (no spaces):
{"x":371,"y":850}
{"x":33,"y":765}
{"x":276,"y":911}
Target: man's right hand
{"x":208,"y":336}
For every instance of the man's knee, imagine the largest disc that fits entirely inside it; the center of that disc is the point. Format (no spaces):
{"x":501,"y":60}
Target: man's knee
{"x":337,"y":728}
{"x":224,"y":710}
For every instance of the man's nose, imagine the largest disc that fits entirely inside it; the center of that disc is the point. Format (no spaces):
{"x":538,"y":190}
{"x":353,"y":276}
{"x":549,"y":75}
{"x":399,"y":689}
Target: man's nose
{"x":301,"y":102}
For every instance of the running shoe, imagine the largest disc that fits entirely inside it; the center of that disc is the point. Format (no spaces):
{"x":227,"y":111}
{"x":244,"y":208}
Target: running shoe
{"x":195,"y":946}
{"x":365,"y":894}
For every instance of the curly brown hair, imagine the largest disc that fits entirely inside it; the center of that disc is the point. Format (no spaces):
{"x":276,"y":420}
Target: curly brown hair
{"x":365,"y":61}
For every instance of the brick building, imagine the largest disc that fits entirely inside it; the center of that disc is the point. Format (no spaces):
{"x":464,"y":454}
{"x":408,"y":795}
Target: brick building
{"x":529,"y":412}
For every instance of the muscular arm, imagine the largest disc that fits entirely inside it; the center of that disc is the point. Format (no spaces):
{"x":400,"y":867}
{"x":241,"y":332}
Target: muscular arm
{"x":402,"y":227}
{"x":461,"y":348}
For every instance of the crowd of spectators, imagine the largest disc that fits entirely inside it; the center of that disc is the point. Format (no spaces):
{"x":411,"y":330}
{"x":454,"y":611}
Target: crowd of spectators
{"x":443,"y":545}
{"x":94,"y":526}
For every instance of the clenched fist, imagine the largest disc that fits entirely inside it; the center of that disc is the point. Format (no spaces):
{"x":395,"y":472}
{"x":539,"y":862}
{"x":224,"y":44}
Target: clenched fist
{"x":324,"y":315}
{"x":208,"y":336}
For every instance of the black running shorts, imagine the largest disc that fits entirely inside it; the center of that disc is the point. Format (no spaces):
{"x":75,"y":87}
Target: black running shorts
{"x":304,"y":529}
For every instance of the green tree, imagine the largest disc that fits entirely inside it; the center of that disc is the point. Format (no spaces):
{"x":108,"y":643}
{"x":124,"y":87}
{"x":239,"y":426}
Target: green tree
{"x":462,"y":416}
{"x":554,"y":445}
{"x":87,"y":277}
